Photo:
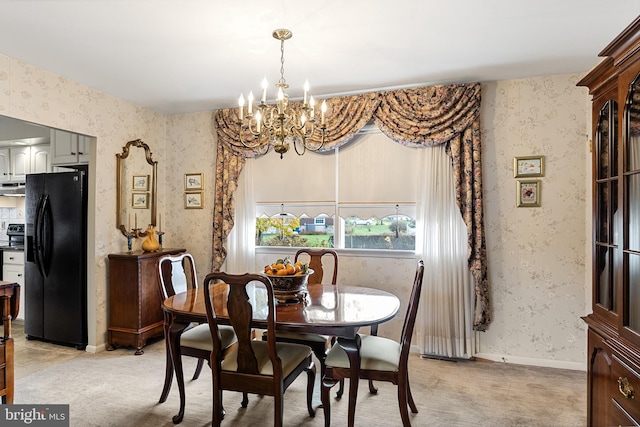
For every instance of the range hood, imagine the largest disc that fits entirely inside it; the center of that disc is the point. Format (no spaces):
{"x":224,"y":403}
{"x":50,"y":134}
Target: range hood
{"x":12,"y":189}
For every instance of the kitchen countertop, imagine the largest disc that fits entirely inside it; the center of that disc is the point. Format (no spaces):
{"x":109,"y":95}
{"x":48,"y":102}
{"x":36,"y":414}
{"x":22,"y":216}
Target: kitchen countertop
{"x":5,"y":246}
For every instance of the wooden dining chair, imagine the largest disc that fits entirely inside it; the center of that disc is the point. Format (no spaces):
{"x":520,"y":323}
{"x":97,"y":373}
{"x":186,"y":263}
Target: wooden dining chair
{"x":381,"y":359}
{"x":177,"y":273}
{"x":253,"y":366}
{"x":318,"y":343}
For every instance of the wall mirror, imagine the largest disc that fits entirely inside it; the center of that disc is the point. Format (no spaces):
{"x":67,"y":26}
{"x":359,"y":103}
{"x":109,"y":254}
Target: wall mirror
{"x":136,"y":185}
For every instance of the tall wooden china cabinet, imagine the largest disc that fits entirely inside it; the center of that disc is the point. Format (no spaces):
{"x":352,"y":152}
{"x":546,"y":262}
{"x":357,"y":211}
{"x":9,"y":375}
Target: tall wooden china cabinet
{"x":614,"y":324}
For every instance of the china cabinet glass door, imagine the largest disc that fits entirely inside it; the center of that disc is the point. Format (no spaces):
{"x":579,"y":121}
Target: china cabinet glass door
{"x":632,"y":204}
{"x":607,"y":220}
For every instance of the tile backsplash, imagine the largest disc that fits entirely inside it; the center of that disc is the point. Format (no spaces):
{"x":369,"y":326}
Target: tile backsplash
{"x":11,"y":216}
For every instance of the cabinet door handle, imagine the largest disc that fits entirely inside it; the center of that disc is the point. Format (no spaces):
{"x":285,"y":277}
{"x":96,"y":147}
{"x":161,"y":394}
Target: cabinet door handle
{"x":73,"y":154}
{"x":19,"y":275}
{"x":625,"y":388}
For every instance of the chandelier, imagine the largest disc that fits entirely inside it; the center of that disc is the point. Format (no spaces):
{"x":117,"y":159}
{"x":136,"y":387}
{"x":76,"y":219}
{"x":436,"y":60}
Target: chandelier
{"x":279,"y":123}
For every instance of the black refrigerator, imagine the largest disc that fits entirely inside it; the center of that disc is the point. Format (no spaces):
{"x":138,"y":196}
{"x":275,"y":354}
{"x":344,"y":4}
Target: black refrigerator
{"x":55,"y":288}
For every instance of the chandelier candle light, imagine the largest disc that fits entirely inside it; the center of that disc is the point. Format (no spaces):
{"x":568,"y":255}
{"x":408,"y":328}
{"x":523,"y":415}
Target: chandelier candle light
{"x":281,"y":124}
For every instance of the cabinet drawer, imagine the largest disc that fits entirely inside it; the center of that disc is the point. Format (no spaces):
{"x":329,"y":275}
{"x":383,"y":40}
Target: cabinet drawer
{"x":13,"y":257}
{"x":620,"y":417}
{"x":621,"y":373}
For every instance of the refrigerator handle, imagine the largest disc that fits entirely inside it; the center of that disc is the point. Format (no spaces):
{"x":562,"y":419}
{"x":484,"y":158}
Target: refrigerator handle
{"x":42,"y":235}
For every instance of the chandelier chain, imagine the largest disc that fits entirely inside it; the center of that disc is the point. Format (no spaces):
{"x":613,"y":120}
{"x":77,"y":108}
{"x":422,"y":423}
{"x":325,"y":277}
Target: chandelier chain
{"x":282,"y":82}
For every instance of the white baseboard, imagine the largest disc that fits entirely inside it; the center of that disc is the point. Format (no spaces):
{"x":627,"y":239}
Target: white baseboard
{"x":95,"y":348}
{"x":547,"y":363}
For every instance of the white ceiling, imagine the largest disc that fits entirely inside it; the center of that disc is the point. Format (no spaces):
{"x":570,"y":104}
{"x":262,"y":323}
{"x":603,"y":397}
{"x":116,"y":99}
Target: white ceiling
{"x":180,"y":56}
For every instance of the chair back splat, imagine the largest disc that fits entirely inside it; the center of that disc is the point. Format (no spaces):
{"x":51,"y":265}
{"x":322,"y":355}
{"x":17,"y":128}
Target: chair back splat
{"x":260,"y":367}
{"x":177,"y":274}
{"x":315,"y":257}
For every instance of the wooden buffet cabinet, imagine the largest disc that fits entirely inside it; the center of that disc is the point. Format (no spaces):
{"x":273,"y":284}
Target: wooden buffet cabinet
{"x":613,"y":357}
{"x":134,"y":298}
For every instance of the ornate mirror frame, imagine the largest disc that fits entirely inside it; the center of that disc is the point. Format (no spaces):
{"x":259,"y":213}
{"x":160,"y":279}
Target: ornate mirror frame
{"x":123,"y":195}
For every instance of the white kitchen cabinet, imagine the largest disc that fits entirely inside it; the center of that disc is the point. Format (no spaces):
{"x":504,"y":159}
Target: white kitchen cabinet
{"x":13,"y":271}
{"x":40,"y":159}
{"x":16,"y":163}
{"x":69,"y":148}
{"x":5,"y":165}
{"x":20,"y":163}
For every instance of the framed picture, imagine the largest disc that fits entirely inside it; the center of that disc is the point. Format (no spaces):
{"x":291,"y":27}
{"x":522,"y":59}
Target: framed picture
{"x":193,"y":200}
{"x":529,"y":193}
{"x":140,"y":183}
{"x":140,"y":200}
{"x":193,"y":181}
{"x":528,"y":166}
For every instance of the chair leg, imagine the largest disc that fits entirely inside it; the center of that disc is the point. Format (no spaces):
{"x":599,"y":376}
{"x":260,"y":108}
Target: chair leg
{"x":311,"y":380}
{"x":412,"y":404}
{"x":245,"y":399}
{"x":402,"y":403}
{"x":218,"y":411}
{"x":372,"y":389}
{"x":404,"y":396}
{"x":340,"y":391}
{"x":168,"y":376}
{"x":325,"y":386}
{"x":278,"y":410}
{"x":196,"y":374}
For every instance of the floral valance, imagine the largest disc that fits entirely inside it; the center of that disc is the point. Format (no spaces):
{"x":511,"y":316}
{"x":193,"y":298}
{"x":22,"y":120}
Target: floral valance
{"x":427,"y":116}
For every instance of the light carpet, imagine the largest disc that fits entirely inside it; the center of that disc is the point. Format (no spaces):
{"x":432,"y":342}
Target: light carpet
{"x":119,"y":389}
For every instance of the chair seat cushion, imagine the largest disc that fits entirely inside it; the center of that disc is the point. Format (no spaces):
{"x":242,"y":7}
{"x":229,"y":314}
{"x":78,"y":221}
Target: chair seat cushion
{"x":302,"y":336}
{"x":376,"y":354}
{"x":200,"y":337}
{"x":290,"y":354}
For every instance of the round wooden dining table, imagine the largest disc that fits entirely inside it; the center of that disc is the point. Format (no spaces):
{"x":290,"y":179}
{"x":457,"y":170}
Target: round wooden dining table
{"x":334,"y":310}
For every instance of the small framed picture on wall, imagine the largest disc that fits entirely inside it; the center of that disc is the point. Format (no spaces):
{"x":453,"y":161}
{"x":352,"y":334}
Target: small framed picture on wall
{"x":140,"y":200}
{"x":140,"y":183}
{"x":193,"y":181}
{"x":193,"y":200}
{"x":528,"y":166}
{"x":528,"y":193}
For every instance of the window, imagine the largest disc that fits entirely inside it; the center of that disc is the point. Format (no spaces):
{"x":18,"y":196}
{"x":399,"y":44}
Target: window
{"x":361,"y":196}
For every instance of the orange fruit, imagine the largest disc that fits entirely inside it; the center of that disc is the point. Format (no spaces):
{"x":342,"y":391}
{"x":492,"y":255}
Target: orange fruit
{"x":290,"y":269}
{"x":281,"y":272}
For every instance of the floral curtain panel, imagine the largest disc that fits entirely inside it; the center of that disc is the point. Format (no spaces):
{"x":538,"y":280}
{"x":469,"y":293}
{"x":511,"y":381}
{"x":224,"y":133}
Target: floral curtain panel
{"x":428,"y":116}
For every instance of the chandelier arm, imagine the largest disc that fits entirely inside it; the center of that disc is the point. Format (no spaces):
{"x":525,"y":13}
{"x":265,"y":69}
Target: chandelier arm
{"x":295,"y":146}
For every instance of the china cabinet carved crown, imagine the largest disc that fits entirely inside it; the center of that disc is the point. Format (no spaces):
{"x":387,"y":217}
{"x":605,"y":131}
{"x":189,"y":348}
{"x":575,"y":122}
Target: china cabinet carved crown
{"x":614,"y":325}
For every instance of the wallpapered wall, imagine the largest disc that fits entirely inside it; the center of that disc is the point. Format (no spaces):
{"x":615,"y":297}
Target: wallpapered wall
{"x":536,"y":255}
{"x":38,"y":96}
